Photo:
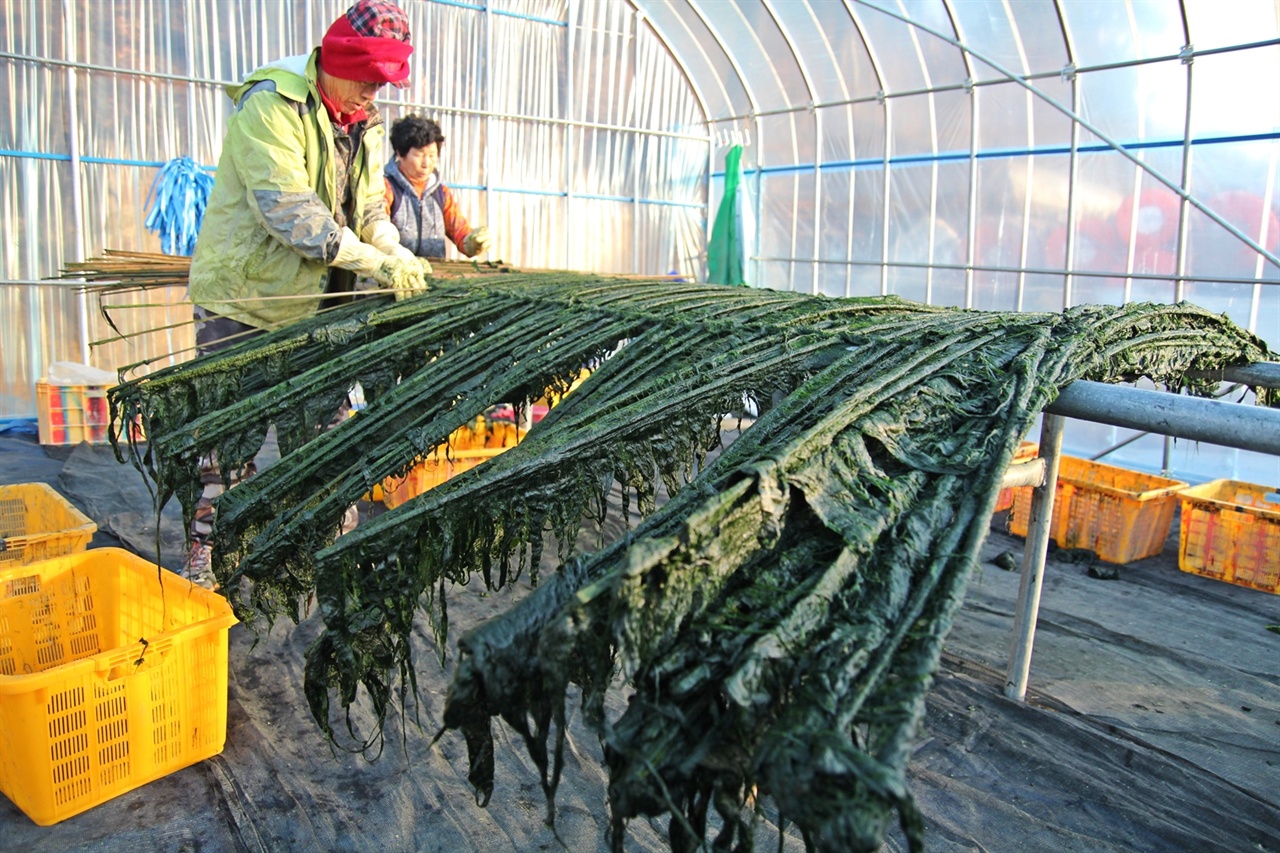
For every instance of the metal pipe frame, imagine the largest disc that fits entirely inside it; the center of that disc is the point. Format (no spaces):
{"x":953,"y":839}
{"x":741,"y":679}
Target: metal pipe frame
{"x":77,"y":212}
{"x":1079,"y":120}
{"x":1193,"y":418}
{"x":442,"y":108}
{"x":798,"y":57}
{"x":1038,"y":75}
{"x":1198,"y":419}
{"x":568,"y":139}
{"x":1034,"y":555}
{"x":887,"y":103}
{"x":1262,"y":374}
{"x":971,"y":235}
{"x":1073,"y":163}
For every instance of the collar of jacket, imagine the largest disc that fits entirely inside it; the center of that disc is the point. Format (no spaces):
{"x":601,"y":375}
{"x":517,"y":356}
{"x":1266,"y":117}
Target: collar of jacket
{"x":392,"y":172}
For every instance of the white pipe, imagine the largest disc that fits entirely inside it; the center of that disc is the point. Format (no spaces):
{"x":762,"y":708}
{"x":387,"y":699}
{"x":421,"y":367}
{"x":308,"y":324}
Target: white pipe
{"x":1033,"y":560}
{"x":73,"y":149}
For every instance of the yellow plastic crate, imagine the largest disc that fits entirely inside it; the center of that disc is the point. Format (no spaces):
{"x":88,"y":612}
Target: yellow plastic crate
{"x":37,"y":523}
{"x":1026,"y":450}
{"x":1120,"y":515}
{"x":1231,"y":531}
{"x":466,"y":448}
{"x":113,"y":672}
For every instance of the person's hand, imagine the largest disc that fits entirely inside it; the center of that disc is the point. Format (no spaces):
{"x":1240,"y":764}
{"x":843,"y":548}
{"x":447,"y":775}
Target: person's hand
{"x":384,"y":236}
{"x":405,"y":277}
{"x":426,"y":266}
{"x":476,"y":242}
{"x":400,"y":271}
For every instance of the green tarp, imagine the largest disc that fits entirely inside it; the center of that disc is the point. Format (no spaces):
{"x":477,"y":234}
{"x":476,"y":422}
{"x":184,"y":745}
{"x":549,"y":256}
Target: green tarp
{"x":733,"y":230}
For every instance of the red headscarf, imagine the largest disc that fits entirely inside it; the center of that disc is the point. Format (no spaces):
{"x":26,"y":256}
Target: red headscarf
{"x":370,"y":44}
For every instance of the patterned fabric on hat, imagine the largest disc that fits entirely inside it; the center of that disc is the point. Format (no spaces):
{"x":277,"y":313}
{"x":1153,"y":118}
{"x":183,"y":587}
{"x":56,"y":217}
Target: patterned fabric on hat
{"x":369,"y":43}
{"x":380,"y":19}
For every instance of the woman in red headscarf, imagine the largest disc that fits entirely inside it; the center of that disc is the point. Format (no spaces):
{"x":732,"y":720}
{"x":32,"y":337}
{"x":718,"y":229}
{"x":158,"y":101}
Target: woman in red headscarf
{"x":296,"y":212}
{"x":296,"y":208}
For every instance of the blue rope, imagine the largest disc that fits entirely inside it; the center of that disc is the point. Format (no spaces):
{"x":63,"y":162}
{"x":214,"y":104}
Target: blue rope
{"x":177,"y":200}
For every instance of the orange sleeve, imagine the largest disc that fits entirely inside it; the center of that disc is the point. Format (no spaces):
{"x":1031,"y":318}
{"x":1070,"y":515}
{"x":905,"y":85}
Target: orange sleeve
{"x":456,"y":227}
{"x":388,"y":194}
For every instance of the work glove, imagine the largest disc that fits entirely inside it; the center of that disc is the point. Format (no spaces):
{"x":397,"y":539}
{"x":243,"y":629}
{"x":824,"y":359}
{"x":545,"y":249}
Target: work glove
{"x":394,"y":271}
{"x":476,"y":242}
{"x":384,"y":236}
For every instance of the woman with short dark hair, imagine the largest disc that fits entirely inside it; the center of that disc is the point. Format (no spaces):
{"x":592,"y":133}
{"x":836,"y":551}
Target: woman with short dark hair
{"x":418,"y":202}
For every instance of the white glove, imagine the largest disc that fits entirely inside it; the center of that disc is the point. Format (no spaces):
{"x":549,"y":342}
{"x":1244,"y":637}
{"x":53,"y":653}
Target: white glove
{"x":385,"y":237}
{"x":476,"y":242}
{"x":357,"y":256}
{"x":394,"y":271}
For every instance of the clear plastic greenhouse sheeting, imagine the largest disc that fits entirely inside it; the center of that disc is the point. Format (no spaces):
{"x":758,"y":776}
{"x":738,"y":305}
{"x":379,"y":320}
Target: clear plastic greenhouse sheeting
{"x":978,"y":153}
{"x":937,"y":177}
{"x":570,"y":131}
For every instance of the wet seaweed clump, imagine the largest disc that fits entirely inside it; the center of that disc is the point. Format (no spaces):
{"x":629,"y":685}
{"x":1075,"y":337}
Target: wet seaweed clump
{"x":777,"y":621}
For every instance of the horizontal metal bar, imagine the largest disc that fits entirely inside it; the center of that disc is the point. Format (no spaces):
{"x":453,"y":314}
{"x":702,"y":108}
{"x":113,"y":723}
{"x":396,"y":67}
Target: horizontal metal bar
{"x":1193,"y":418}
{"x":1264,"y":374}
{"x":101,"y":161}
{"x":1028,"y":473}
{"x":478,"y":8}
{"x":443,"y":108}
{"x":960,"y":155}
{"x":108,"y":69}
{"x":1137,"y":276}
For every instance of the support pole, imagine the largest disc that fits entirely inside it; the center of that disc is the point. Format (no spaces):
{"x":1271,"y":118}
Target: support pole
{"x":1033,"y":560}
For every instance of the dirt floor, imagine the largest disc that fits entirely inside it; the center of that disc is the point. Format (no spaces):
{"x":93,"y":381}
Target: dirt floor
{"x":1152,"y":724}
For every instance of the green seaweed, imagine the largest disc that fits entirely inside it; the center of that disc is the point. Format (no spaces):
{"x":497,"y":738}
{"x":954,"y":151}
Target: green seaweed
{"x":778,"y":619}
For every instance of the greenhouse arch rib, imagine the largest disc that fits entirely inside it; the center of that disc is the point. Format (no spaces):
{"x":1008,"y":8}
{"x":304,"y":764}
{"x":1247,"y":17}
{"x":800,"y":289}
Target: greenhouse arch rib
{"x":642,"y":16}
{"x":844,"y":89}
{"x":1073,"y":167}
{"x":970,"y":241}
{"x":817,"y":149}
{"x":876,"y":66}
{"x":751,"y":100}
{"x":932,"y":97}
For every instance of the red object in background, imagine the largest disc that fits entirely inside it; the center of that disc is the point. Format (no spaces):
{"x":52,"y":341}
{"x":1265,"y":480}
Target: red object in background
{"x":1157,"y":219}
{"x":57,"y":422}
{"x":505,"y":412}
{"x":1244,"y":210}
{"x":96,"y":417}
{"x":997,"y":243}
{"x":1096,"y":246}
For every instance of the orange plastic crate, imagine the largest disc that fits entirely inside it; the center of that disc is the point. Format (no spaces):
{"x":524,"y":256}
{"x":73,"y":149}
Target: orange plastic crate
{"x":1120,"y":515}
{"x":1231,"y":531}
{"x":37,"y":523}
{"x":466,"y":448}
{"x":113,"y":672}
{"x":1026,"y":450}
{"x":70,"y":414}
